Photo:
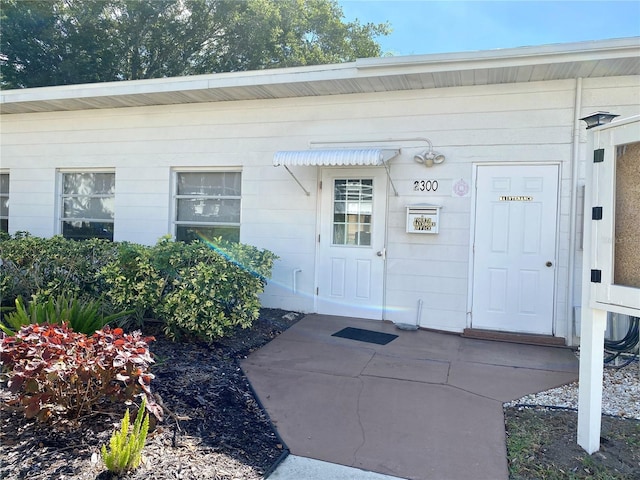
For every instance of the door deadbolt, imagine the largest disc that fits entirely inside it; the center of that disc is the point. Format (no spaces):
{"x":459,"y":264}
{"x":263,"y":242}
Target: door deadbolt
{"x":549,"y":264}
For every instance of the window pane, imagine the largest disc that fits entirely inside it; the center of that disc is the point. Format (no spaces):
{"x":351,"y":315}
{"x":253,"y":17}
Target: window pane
{"x":339,"y":234}
{"x":89,"y":207}
{"x":89,"y":183}
{"x":189,"y":234}
{"x":4,"y":206}
{"x":208,"y":210}
{"x":226,"y":184}
{"x":85,"y":230}
{"x":4,"y":225}
{"x":4,"y":183}
{"x":363,"y":236}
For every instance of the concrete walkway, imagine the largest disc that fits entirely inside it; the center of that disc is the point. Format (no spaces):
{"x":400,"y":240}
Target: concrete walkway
{"x":425,"y":406}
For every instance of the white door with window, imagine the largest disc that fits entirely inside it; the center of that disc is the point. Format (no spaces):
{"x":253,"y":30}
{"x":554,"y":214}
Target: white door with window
{"x":351,"y":253}
{"x":514,"y":266}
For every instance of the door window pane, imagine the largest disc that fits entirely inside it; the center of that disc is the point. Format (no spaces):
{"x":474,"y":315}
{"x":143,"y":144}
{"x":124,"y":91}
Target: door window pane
{"x":352,"y":211}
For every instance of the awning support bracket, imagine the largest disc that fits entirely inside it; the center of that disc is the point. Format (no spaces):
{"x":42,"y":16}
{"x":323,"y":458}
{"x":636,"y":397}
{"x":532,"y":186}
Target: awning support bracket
{"x":297,"y":181}
{"x":386,"y":168}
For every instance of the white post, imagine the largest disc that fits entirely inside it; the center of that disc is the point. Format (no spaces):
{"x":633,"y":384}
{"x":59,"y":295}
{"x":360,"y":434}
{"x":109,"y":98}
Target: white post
{"x":593,"y":325}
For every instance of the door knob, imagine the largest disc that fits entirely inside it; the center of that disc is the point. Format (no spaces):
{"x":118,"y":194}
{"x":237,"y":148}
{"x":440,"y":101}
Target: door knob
{"x":382,"y":253}
{"x":549,"y":264}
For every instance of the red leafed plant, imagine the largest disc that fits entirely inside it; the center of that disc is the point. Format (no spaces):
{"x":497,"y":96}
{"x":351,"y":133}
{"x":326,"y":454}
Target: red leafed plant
{"x":58,"y":372}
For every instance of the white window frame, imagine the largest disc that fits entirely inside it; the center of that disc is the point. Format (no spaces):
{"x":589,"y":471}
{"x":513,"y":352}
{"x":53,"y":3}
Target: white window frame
{"x":175,"y":223}
{"x":61,"y":197}
{"x":606,"y":294}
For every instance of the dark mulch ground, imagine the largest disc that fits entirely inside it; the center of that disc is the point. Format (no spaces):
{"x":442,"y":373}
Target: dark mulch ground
{"x":217,"y":431}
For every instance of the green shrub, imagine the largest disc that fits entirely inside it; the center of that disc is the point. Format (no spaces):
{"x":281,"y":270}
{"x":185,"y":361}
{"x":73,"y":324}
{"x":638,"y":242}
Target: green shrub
{"x":40,"y":268}
{"x":125,"y":448}
{"x":132,"y":282}
{"x":213,"y":290}
{"x":56,"y":371}
{"x":197,"y":288}
{"x":83,"y":316}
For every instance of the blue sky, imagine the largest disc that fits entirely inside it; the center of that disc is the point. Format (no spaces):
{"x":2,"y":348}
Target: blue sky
{"x":421,"y":26}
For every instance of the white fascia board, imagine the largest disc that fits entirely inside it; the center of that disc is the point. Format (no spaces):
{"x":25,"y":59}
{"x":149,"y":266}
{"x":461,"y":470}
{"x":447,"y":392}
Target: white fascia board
{"x":180,"y":84}
{"x":554,"y":53}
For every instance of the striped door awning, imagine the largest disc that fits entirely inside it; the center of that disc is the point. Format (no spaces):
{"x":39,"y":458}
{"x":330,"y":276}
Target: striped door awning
{"x":335,"y":158}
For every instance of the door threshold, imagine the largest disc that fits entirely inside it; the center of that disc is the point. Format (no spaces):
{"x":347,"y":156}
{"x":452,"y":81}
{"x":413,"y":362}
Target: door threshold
{"x":514,"y":337}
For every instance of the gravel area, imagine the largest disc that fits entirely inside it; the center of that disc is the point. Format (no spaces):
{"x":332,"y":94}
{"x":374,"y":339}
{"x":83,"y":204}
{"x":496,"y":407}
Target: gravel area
{"x":620,"y":393}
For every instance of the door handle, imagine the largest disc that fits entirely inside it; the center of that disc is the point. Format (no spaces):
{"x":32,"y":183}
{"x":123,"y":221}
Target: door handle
{"x":382,"y":253}
{"x":549,"y":264}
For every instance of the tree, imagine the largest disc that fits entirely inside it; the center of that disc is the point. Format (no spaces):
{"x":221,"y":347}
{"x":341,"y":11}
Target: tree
{"x":59,"y":42}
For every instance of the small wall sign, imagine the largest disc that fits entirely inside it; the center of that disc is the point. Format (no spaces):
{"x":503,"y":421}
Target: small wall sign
{"x":423,"y":218}
{"x":516,"y":198}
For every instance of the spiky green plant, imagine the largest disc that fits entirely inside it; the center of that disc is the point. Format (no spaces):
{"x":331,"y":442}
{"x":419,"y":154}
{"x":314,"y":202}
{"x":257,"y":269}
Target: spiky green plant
{"x":125,"y":448}
{"x":83,"y":316}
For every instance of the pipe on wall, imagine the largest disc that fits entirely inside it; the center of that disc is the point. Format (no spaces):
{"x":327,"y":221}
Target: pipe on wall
{"x":294,"y":283}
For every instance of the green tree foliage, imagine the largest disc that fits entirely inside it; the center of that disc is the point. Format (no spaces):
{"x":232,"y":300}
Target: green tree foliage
{"x":60,"y":42}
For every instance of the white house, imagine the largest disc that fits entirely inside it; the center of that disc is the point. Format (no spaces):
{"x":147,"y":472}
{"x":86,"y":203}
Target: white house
{"x":438,"y":190}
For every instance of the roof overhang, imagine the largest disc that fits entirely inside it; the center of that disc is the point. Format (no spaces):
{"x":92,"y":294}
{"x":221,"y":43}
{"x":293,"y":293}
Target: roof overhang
{"x":601,"y":58}
{"x":335,"y":158}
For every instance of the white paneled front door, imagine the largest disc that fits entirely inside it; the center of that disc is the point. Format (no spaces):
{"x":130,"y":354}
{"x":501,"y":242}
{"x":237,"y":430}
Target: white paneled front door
{"x":351,"y":251}
{"x":515,"y":248}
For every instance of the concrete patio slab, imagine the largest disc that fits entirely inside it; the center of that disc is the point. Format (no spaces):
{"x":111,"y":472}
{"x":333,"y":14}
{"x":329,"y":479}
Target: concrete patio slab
{"x":418,"y":430}
{"x":292,"y":353}
{"x":480,"y":378}
{"x":427,"y":405}
{"x":404,"y":368}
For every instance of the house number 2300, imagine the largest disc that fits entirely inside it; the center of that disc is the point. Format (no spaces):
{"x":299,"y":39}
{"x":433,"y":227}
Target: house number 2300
{"x":425,"y":185}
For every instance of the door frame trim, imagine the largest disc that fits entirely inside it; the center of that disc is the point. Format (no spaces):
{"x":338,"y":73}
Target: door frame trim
{"x":319,"y":192}
{"x":472,"y":232}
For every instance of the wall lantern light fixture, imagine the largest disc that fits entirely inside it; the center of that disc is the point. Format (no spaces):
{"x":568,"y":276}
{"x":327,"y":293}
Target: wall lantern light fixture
{"x":429,"y":158}
{"x":598,"y":118}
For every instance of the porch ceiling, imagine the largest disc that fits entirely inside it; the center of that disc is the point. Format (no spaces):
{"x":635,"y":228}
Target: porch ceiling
{"x":526,"y":64}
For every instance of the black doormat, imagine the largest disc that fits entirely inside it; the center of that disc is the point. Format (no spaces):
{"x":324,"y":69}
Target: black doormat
{"x":368,"y":336}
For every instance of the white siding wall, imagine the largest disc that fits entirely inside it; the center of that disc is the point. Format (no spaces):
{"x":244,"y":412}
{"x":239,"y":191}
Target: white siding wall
{"x":527,"y":122}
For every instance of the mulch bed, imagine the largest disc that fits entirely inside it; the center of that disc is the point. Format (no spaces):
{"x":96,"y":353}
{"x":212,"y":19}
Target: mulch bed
{"x":216,"y":429}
